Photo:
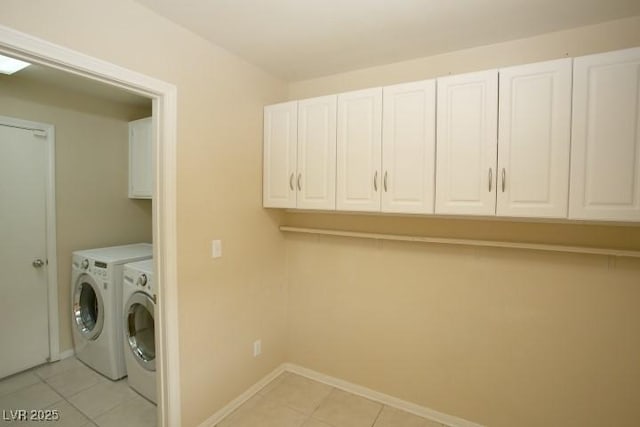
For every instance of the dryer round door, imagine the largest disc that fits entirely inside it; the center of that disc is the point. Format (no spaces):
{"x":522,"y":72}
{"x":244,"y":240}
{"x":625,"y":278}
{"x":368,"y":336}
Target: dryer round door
{"x":140,"y":329}
{"x":88,"y":307}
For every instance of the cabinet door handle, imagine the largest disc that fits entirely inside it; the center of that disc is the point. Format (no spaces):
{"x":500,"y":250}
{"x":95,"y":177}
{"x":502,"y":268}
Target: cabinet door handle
{"x":385,"y":181}
{"x":375,"y":181}
{"x":490,"y":179}
{"x":299,"y":186}
{"x":504,"y":179}
{"x":291,"y":181}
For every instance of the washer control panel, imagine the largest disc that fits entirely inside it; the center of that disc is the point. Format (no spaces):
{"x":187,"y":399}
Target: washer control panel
{"x":99,"y":269}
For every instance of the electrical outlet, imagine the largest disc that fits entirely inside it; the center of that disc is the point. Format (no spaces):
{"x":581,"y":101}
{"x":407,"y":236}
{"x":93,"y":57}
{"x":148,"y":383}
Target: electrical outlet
{"x":257,"y":348}
{"x":216,"y":249}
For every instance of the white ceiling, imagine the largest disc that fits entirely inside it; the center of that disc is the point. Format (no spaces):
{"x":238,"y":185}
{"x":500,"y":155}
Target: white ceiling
{"x":301,"y":39}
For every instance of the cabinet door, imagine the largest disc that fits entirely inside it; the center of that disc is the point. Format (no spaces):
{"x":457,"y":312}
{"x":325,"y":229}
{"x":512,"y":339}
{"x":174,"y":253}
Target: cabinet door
{"x":141,"y":159}
{"x":359,"y":150}
{"x":467,"y":144}
{"x":408,"y":147}
{"x":534,"y":140}
{"x":605,"y":146}
{"x":280,"y":140}
{"x":316,"y":180}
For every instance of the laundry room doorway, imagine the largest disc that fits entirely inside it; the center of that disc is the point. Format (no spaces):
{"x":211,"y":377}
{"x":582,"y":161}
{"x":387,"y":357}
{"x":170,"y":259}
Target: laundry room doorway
{"x":27,"y":225}
{"x":163,"y":98}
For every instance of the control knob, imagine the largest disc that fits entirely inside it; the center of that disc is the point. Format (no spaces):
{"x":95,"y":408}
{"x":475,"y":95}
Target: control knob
{"x":142,"y":280}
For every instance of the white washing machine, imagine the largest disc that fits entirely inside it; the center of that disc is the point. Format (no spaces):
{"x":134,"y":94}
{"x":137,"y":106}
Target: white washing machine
{"x":96,"y":304}
{"x":139,"y":312}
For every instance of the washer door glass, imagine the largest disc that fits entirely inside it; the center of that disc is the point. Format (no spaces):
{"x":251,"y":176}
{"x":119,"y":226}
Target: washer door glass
{"x":88,"y":308}
{"x":139,"y":321}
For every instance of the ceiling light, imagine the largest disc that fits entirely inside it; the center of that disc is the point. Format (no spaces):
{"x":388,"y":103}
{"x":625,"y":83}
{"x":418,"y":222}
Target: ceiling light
{"x":10,"y":65}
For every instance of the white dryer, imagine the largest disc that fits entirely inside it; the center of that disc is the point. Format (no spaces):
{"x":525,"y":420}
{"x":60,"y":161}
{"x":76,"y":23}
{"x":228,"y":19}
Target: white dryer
{"x":139,"y":311}
{"x":96,"y":304}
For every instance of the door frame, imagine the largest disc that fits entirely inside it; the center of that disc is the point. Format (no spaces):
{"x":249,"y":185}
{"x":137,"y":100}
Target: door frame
{"x":50,"y":222}
{"x":164,"y":98}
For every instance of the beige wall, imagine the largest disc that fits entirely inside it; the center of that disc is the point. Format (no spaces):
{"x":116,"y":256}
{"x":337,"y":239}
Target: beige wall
{"x":224,"y":304}
{"x":611,"y":35}
{"x":92,"y":207}
{"x":500,"y":337}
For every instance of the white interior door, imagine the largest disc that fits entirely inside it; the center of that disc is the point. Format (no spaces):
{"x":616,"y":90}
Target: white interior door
{"x":534,"y":140}
{"x":467,"y":144}
{"x":24,"y":333}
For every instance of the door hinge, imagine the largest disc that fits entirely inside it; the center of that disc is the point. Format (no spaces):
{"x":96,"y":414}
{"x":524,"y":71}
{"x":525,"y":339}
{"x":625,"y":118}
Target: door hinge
{"x":42,"y":133}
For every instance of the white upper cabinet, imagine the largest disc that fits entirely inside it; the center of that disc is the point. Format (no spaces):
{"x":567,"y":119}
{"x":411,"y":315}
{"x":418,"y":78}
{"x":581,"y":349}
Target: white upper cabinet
{"x":467,"y":120}
{"x":408,"y":147}
{"x":605,"y":153}
{"x":555,"y":139}
{"x":534,"y":140}
{"x":316,"y":180}
{"x":359,"y":153}
{"x":280,"y":145}
{"x":141,"y":159}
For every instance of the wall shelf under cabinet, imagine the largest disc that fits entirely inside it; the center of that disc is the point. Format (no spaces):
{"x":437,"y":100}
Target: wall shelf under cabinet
{"x":466,"y":242}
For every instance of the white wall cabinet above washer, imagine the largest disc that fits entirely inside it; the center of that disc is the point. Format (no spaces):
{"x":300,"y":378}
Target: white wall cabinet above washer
{"x":467,"y":120}
{"x":534,"y":140}
{"x":605,"y":157}
{"x":359,"y":160}
{"x":316,"y":178}
{"x":280,"y":155}
{"x":408,"y":147}
{"x":141,"y":159}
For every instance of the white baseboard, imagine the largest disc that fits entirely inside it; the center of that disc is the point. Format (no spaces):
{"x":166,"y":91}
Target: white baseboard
{"x":394,"y":402}
{"x":238,"y":401}
{"x":421,"y":411}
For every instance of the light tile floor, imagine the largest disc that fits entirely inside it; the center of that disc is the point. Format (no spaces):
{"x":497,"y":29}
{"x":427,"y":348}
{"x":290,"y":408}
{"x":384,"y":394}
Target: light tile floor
{"x":295,"y":401}
{"x":82,"y":396}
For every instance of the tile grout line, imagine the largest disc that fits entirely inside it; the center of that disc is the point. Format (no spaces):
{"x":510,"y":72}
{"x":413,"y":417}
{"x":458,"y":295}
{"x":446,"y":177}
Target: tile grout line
{"x":66,"y":399}
{"x":21,"y":388}
{"x":314,"y":409}
{"x":286,"y":405}
{"x":91,"y":420}
{"x":320,"y":404}
{"x":378,"y":415}
{"x":62,"y":398}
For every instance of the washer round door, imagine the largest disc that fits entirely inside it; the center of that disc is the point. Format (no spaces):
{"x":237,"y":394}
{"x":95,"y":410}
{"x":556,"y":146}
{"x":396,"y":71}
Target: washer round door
{"x":140,"y":329}
{"x":88,"y":307}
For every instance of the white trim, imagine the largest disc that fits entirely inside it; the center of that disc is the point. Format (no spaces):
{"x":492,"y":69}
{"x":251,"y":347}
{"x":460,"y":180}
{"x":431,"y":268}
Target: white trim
{"x":66,"y":354}
{"x":238,"y":401}
{"x":52,"y":249}
{"x":164,"y":96}
{"x":394,"y":402}
{"x":50,"y":226}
